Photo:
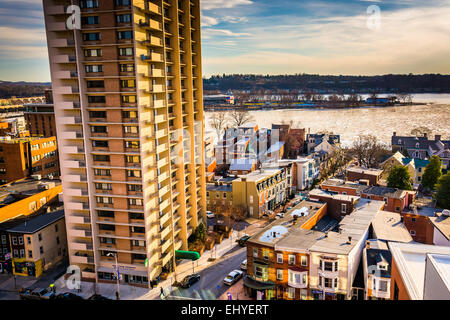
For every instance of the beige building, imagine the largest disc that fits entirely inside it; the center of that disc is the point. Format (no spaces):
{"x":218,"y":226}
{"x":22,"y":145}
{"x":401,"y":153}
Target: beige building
{"x":261,"y":191}
{"x":127,"y":90}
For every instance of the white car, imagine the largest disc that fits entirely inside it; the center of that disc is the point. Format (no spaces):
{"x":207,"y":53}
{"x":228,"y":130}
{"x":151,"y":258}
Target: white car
{"x":233,"y":277}
{"x":244,"y":265}
{"x":210,"y":215}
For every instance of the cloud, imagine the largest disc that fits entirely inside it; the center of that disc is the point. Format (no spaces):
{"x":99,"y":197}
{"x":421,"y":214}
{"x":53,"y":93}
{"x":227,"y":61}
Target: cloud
{"x":224,"y":32}
{"x":209,"y":21}
{"x":220,"y":4}
{"x":410,"y":40}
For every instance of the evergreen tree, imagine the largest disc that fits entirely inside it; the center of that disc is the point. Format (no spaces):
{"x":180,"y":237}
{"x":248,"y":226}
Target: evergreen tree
{"x":433,"y":172}
{"x":400,"y":178}
{"x":443,"y":192}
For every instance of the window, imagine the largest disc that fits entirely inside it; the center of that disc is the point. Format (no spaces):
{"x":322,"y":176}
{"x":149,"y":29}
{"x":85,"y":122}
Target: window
{"x":261,"y":272}
{"x":89,"y":4}
{"x":99,"y":129}
{"x":14,"y":240}
{"x":106,"y":227}
{"x":129,"y":99}
{"x":122,"y":18}
{"x":291,"y":293}
{"x":255,"y":252}
{"x":122,"y":2}
{"x":137,"y":229}
{"x":16,"y":253}
{"x":105,"y":214}
{"x":103,"y":186}
{"x":28,"y":240}
{"x":96,"y":99}
{"x":413,"y":219}
{"x":343,"y":208}
{"x":20,"y":240}
{"x":133,"y":159}
{"x":291,"y":259}
{"x":30,"y":254}
{"x":134,"y":173}
{"x":279,"y":258}
{"x":121,"y":35}
{"x":100,"y":143}
{"x":93,"y":36}
{"x":127,"y":83}
{"x":102,"y":172}
{"x":95,"y":84}
{"x":266,"y":254}
{"x":90,"y":20}
{"x":104,"y":200}
{"x":101,"y":157}
{"x":279,"y":274}
{"x":57,"y":240}
{"x":56,"y":228}
{"x":3,"y":239}
{"x":135,"y":202}
{"x":41,"y":250}
{"x":132,"y":144}
{"x":125,"y":51}
{"x":127,"y":67}
{"x":129,"y":114}
{"x":304,"y":261}
{"x":40,"y":237}
{"x":412,"y":232}
{"x":328,"y":283}
{"x":134,"y":187}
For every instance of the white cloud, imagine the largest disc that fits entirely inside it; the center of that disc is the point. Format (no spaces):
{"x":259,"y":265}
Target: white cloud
{"x":410,"y":40}
{"x":209,"y":21}
{"x":209,"y":32}
{"x":220,"y":4}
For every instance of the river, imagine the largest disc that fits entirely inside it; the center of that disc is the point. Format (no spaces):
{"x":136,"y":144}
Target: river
{"x":379,"y":121}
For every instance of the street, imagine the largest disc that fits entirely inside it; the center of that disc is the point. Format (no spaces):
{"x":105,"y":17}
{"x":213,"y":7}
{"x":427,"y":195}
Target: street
{"x":212,"y":277}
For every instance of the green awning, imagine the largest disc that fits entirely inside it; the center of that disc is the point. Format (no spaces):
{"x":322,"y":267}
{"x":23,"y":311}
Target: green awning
{"x":188,"y":255}
{"x":250,"y":283}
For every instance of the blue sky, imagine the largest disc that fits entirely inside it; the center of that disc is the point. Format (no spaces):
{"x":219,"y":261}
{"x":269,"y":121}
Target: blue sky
{"x":274,"y":37}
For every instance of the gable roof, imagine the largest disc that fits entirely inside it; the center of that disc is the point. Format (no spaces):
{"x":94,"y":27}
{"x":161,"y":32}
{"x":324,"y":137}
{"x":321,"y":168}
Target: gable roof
{"x":38,"y":223}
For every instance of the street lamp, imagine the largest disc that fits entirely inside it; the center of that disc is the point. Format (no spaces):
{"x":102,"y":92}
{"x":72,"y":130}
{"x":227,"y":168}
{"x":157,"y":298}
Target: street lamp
{"x":117,"y":273}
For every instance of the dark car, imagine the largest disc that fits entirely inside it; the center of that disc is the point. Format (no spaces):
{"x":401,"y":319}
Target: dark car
{"x":68,"y":296}
{"x":242,"y":241}
{"x":98,"y":297}
{"x":190,"y":280}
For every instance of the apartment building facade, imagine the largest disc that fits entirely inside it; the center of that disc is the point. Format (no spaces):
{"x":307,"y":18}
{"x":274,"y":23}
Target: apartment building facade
{"x":127,"y":89}
{"x":22,"y":157}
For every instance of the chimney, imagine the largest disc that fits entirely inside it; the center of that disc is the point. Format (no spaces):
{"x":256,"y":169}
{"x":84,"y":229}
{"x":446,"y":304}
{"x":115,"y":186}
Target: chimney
{"x":425,"y":135}
{"x":437,"y":138}
{"x":349,"y":240}
{"x":395,"y":134}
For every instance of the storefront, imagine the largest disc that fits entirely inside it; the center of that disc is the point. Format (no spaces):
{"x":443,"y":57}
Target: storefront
{"x":259,"y":290}
{"x":21,"y":267}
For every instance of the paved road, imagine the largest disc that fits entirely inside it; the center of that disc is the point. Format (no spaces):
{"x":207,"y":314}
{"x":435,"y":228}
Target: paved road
{"x":206,"y":288}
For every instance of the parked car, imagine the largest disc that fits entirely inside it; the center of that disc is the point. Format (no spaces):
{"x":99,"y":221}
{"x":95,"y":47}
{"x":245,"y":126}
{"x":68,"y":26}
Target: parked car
{"x":190,"y":280}
{"x":233,"y":277}
{"x":37,"y":294}
{"x":244,"y":265}
{"x":98,"y":297}
{"x":68,"y":296}
{"x":210,"y":215}
{"x":280,"y":215}
{"x":242,"y":240}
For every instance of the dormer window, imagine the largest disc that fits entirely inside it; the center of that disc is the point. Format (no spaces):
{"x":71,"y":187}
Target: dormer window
{"x":417,"y":145}
{"x":382,"y":266}
{"x":400,"y":141}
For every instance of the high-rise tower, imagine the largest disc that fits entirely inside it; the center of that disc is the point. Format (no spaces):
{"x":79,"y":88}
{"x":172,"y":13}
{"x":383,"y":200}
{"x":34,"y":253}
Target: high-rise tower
{"x":127,"y":89}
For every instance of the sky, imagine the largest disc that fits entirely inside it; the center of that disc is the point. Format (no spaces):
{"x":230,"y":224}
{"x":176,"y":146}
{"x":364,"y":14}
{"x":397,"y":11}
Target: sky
{"x":348,"y":37}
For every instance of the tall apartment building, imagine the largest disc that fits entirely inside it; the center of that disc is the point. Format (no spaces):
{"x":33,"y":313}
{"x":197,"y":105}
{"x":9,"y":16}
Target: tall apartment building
{"x":127,"y":90}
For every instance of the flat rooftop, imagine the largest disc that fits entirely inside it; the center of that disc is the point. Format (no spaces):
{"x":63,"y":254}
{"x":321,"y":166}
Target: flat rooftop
{"x":39,"y":222}
{"x":442,"y":223}
{"x":344,"y":184}
{"x":388,"y":226}
{"x":374,"y":172}
{"x":221,"y":188}
{"x":385,"y":192}
{"x":283,"y":227}
{"x":18,"y":190}
{"x":410,"y":260}
{"x":260,"y":175}
{"x":342,"y":197}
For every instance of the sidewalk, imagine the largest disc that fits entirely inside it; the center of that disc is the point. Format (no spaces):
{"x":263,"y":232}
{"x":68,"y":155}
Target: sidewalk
{"x":237,"y":292}
{"x":128,"y":292}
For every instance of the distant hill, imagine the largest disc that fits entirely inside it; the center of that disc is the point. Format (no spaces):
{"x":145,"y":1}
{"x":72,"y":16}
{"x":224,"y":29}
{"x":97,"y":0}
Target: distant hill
{"x":427,"y":83}
{"x":22,"y":89}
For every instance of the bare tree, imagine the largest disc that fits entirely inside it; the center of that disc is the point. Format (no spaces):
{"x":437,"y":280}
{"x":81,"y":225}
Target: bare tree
{"x":368,"y":151}
{"x":218,"y":122}
{"x":238,"y":118}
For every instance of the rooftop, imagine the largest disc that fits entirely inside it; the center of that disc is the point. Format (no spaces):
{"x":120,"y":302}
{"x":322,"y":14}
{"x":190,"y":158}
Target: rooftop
{"x":260,"y":174}
{"x":442,"y":223}
{"x":18,"y":190}
{"x":385,"y":192}
{"x":375,"y":256}
{"x":410,"y":261}
{"x":388,"y":226}
{"x":284,"y":226}
{"x":344,"y":184}
{"x":39,"y":222}
{"x":342,"y":197}
{"x":375,"y":172}
{"x":222,"y":188}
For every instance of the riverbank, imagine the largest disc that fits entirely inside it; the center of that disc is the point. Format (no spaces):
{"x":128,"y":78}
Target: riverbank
{"x":351,"y":122}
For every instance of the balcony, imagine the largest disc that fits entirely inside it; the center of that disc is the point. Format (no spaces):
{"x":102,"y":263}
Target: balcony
{"x":55,"y":9}
{"x":64,"y":59}
{"x":62,"y":43}
{"x":78,"y":219}
{"x":57,"y":26}
{"x":79,"y":257}
{"x":153,"y":57}
{"x":82,"y":233}
{"x":83,"y":246}
{"x":67,"y":90}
